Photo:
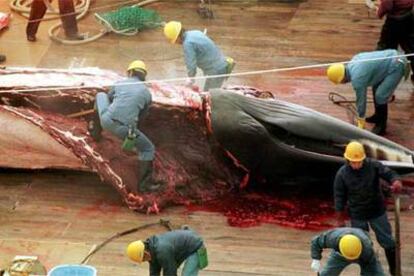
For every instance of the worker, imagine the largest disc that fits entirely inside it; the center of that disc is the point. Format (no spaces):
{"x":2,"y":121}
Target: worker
{"x":379,"y":69}
{"x":166,"y":252}
{"x":357,"y":184}
{"x":119,"y":112}
{"x":398,"y":28}
{"x":2,"y":58}
{"x":349,"y":245}
{"x":199,"y":51}
{"x":67,"y":13}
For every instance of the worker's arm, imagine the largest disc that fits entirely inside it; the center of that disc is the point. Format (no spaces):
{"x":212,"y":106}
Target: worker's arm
{"x":361,"y":99}
{"x":384,"y":7}
{"x":155,"y":269}
{"x":340,"y":193}
{"x":111,"y":94}
{"x":167,"y":261}
{"x":190,"y":58}
{"x":390,"y":176}
{"x":318,"y":243}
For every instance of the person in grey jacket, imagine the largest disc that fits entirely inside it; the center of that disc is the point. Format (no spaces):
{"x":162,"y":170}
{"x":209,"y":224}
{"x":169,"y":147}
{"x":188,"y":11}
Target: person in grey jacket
{"x":119,"y":112}
{"x":349,"y":245}
{"x":199,"y":51}
{"x":357,"y":184}
{"x":381,"y":70}
{"x":166,"y":252}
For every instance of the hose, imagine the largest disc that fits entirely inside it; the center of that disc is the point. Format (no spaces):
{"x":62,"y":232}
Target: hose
{"x":81,"y":8}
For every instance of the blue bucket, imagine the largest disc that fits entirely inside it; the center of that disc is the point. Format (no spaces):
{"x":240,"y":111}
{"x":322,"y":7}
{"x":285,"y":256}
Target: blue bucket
{"x":72,"y":270}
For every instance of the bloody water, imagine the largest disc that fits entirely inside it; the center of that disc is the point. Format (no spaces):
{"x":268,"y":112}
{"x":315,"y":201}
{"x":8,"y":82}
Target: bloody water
{"x":308,"y":211}
{"x":254,"y":209}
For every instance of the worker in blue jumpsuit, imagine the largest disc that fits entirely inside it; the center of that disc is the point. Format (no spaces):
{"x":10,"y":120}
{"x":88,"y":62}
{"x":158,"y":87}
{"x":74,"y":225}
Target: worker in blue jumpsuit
{"x":349,"y":245}
{"x":166,"y":252}
{"x":383,"y":72}
{"x":199,"y":51}
{"x":357,"y":185}
{"x":119,"y":112}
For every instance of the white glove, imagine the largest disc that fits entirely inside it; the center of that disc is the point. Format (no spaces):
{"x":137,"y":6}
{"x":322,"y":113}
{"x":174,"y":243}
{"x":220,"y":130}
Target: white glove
{"x":189,"y":82}
{"x":316,"y":265}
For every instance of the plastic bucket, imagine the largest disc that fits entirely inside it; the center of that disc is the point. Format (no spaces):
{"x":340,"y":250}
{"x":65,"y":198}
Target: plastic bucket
{"x":72,"y":270}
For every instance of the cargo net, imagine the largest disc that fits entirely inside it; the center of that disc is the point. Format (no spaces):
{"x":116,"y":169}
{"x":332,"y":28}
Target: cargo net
{"x":129,"y":20}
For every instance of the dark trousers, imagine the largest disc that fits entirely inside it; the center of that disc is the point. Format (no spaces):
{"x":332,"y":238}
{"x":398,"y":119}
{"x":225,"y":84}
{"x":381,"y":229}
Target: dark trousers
{"x":398,"y":32}
{"x":38,"y":10}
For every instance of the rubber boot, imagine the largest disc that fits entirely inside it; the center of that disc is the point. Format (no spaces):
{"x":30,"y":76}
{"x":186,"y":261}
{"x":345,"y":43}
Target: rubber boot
{"x":381,"y":124}
{"x":374,"y":118}
{"x":145,"y":182}
{"x":390,"y":254}
{"x":94,"y":126}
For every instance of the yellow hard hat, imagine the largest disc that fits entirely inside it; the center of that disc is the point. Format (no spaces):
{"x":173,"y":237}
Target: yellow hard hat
{"x":135,"y":251}
{"x":137,"y":65}
{"x":336,"y":73}
{"x":354,"y":152}
{"x":172,"y":30}
{"x":350,"y":247}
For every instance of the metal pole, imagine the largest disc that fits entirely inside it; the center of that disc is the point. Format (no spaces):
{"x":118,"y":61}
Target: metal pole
{"x":397,"y":236}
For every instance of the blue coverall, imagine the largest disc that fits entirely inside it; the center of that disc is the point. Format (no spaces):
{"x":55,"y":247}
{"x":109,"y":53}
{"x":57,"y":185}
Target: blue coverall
{"x":121,"y":109}
{"x":169,"y":250}
{"x":370,"y":266}
{"x":383,"y":75}
{"x":200,"y":51}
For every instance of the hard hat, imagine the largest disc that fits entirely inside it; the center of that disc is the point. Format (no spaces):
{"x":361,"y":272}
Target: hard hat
{"x":336,"y":73}
{"x":137,"y":65}
{"x":135,"y":251}
{"x":172,"y":30}
{"x":350,"y":247}
{"x":354,"y":152}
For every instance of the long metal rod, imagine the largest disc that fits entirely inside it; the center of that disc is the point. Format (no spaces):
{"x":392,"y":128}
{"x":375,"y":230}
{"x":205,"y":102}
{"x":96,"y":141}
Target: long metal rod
{"x":397,"y":236}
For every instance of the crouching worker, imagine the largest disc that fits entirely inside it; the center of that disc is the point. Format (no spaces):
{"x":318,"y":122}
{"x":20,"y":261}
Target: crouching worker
{"x":383,"y":71}
{"x":166,"y":252}
{"x":119,"y":112}
{"x":349,"y":245}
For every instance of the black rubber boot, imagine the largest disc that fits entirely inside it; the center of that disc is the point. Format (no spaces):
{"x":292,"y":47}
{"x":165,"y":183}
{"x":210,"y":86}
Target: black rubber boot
{"x":381,"y":124}
{"x":390,"y":254}
{"x":374,"y":118}
{"x":145,"y":182}
{"x":94,"y":127}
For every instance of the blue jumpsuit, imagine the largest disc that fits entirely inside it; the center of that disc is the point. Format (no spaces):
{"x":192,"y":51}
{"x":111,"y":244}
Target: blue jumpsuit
{"x":383,"y":75}
{"x":200,"y":51}
{"x":370,"y":266}
{"x":121,"y":109}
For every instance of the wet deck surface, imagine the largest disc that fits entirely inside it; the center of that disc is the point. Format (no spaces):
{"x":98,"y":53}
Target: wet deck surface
{"x":59,"y":216}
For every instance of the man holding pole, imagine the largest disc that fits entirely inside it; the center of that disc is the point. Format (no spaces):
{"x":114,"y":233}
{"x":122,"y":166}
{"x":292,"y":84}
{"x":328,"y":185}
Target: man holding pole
{"x":357,"y":184}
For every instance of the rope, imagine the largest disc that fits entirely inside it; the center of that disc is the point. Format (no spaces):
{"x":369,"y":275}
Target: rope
{"x":81,"y":9}
{"x":181,"y":79}
{"x":163,"y":222}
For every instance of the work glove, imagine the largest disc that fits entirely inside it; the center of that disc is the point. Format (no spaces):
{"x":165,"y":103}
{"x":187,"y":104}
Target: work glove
{"x":189,"y":82}
{"x":316,"y":265}
{"x":361,"y":123}
{"x":396,"y":187}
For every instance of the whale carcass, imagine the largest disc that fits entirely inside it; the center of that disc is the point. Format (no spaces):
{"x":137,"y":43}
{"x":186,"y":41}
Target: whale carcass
{"x":207,"y":144}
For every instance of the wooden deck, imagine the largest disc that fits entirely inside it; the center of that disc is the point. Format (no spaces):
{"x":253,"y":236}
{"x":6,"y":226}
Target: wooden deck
{"x":60,"y":215}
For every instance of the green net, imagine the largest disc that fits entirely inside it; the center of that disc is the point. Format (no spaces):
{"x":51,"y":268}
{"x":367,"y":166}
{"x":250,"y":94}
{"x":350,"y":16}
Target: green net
{"x":130,"y":20}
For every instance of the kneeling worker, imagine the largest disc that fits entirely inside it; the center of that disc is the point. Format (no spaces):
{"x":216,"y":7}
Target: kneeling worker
{"x":119,"y":112}
{"x":382,"y":70}
{"x":350,"y":245}
{"x":166,"y":252}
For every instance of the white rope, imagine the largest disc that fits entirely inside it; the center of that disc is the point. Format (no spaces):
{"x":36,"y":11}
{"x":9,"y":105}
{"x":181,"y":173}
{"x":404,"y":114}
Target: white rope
{"x":181,"y":79}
